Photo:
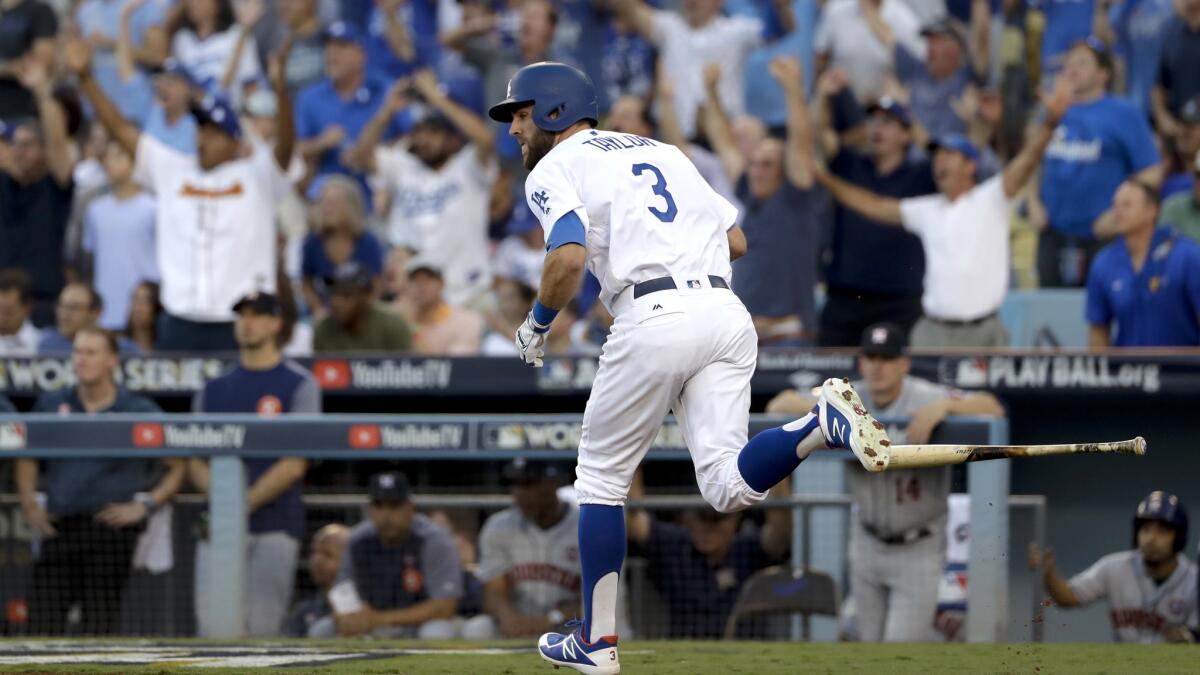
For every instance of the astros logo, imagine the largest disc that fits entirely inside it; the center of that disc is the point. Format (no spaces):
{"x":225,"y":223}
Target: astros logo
{"x":269,"y":406}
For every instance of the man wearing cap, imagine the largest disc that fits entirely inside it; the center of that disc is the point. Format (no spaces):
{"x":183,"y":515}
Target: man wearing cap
{"x":938,"y":78}
{"x":355,"y":322}
{"x":898,"y":545}
{"x":964,"y":231}
{"x":401,"y":575}
{"x":440,"y":329}
{"x":875,"y":271}
{"x":331,"y":113}
{"x":1101,"y":141}
{"x":264,"y":383}
{"x":1146,"y":283}
{"x":36,"y":188}
{"x":440,"y":186}
{"x":216,"y":228}
{"x":528,"y":557}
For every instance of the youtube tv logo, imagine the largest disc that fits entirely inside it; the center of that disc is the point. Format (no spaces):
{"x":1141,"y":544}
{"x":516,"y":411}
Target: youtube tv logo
{"x":147,"y":435}
{"x":364,"y":436}
{"x":332,"y":374}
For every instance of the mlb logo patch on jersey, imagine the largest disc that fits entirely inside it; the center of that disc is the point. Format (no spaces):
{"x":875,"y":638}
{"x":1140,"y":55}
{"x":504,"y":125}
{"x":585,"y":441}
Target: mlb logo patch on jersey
{"x":542,"y":201}
{"x":693,"y":283}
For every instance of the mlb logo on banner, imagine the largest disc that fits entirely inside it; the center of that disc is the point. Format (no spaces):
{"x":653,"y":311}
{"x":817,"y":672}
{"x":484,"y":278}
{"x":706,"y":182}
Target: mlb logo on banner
{"x":364,"y":436}
{"x":332,"y":374}
{"x":147,"y":435}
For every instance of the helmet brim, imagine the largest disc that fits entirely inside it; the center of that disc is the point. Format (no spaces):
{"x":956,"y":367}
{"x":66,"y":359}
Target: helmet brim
{"x":503,"y":111}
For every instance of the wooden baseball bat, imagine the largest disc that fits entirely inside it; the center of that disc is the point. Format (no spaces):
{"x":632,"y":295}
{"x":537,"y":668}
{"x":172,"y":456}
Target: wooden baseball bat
{"x":918,"y":456}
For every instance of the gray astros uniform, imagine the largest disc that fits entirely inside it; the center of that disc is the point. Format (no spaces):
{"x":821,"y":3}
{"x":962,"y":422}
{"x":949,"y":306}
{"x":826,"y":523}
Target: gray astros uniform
{"x":1140,"y":609}
{"x":898,"y":540}
{"x":542,"y":566}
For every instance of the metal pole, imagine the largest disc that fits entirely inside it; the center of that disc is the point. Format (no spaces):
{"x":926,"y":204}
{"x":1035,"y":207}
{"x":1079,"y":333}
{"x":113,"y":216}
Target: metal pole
{"x":225,"y":564}
{"x":806,"y":560}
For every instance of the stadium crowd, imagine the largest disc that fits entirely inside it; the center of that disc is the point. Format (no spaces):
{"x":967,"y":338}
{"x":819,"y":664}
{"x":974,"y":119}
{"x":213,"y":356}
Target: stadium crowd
{"x":283,"y":178}
{"x":135,"y":192}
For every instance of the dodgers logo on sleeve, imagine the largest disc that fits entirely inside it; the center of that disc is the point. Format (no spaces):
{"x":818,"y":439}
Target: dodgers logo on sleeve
{"x":542,"y":200}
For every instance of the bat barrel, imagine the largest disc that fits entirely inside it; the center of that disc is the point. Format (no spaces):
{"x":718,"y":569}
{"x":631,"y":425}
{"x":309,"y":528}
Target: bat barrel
{"x":919,"y":456}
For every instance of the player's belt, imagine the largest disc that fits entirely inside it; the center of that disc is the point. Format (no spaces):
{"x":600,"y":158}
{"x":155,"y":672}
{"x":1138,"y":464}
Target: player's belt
{"x":906,"y":537}
{"x":668,"y":284}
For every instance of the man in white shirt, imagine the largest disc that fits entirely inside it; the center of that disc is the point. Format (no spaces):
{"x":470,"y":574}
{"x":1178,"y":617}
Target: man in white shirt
{"x":18,"y":336}
{"x":849,"y":38}
{"x":215,"y":229}
{"x":702,"y":36}
{"x":964,"y":231}
{"x":440,"y":187}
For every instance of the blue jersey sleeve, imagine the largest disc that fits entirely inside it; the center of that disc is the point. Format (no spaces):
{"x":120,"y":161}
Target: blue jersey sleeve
{"x":1098,"y":312}
{"x":568,"y":230}
{"x":307,"y":124}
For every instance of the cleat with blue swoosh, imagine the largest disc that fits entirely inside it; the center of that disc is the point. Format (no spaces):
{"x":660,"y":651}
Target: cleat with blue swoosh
{"x":570,"y":651}
{"x":846,"y":423}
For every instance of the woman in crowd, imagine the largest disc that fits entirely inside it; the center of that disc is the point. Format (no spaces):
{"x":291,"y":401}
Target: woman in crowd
{"x":144,"y":310}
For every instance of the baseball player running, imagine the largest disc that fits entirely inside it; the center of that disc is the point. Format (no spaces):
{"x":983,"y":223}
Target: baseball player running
{"x":637,"y":213}
{"x":1151,"y":589}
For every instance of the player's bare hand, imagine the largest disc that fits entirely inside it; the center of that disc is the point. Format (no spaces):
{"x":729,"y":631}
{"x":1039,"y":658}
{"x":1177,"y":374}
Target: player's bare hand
{"x":531,"y":341}
{"x":1040,"y":559}
{"x":790,"y":402}
{"x":123,"y":514}
{"x":77,"y":55}
{"x":922,"y":423}
{"x":712,"y":76}
{"x":787,"y":71}
{"x":40,"y":520}
{"x":357,"y":623}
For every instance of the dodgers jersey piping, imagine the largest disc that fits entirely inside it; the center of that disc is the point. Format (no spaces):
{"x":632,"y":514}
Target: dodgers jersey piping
{"x":647,"y":214}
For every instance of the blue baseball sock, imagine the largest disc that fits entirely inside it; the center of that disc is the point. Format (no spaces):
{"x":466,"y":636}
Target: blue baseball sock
{"x":774,"y":454}
{"x":601,"y":553}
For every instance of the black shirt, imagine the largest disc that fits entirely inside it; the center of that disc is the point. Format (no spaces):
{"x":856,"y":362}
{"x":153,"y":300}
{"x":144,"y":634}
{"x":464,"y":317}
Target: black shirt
{"x":20,"y":27}
{"x":868,"y":255}
{"x":777,"y":275}
{"x":33,"y":222}
{"x":1179,"y":65}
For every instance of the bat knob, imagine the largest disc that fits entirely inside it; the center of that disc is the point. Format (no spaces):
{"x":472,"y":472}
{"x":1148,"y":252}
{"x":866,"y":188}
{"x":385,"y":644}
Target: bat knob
{"x":1139,"y":446}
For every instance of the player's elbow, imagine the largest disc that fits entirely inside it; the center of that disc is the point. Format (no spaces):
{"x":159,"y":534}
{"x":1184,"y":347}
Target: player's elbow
{"x":737,"y":243}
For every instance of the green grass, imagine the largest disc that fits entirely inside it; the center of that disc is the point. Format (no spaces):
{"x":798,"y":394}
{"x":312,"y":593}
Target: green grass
{"x":684,"y":658}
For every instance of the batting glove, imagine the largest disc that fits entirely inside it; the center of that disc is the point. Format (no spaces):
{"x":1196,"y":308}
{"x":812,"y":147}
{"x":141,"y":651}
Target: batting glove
{"x":531,"y":339}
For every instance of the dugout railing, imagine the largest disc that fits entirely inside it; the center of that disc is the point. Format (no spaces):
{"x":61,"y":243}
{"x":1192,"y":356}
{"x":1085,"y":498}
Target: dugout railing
{"x":226,"y":438}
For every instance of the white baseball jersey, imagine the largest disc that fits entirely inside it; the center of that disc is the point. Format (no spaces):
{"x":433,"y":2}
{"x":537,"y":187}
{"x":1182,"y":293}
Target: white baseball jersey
{"x":442,"y":214}
{"x":1140,"y":609}
{"x":542,"y":566}
{"x":648,"y":213}
{"x":215,"y":230}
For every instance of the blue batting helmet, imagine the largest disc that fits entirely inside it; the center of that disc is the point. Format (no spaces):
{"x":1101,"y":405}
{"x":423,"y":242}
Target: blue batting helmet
{"x":553,"y":89}
{"x":1165,"y":508}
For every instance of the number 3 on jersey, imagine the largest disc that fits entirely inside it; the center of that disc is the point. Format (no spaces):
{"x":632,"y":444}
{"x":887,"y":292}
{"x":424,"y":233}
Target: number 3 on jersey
{"x":660,"y":189}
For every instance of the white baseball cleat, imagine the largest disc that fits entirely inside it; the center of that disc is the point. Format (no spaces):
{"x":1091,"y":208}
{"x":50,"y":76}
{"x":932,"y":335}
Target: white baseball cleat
{"x":569,"y":649}
{"x":845,"y":423}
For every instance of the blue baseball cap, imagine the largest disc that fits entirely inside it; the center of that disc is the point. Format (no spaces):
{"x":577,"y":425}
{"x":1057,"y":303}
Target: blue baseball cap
{"x":173,"y":66}
{"x":892,"y":107}
{"x":216,"y":111}
{"x":958,"y":143}
{"x":344,"y":31}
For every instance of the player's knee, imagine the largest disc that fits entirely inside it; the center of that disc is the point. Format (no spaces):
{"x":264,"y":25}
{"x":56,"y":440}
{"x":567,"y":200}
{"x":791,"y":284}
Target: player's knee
{"x":728,"y":496}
